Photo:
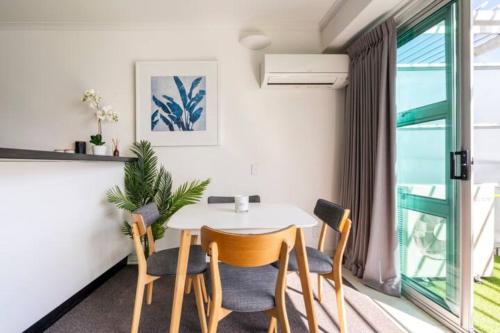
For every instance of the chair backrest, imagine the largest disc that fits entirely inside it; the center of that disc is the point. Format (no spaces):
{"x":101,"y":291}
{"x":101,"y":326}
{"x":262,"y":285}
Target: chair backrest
{"x":248,"y":250}
{"x":145,"y":216}
{"x":219,"y":200}
{"x":331,"y":214}
{"x":336,"y":217}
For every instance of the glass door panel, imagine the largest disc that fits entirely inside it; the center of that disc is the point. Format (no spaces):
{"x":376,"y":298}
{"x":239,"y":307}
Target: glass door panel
{"x":485,"y":224}
{"x":425,"y":137}
{"x":424,"y":239}
{"x":421,"y":151}
{"x":421,"y":75}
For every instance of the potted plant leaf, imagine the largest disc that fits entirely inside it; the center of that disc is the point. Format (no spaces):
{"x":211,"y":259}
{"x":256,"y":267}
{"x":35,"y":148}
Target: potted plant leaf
{"x":98,"y":146}
{"x":145,"y":183}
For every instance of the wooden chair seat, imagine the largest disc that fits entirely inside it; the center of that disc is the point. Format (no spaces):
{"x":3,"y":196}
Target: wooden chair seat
{"x":164,"y":262}
{"x":319,"y":262}
{"x":247,"y":289}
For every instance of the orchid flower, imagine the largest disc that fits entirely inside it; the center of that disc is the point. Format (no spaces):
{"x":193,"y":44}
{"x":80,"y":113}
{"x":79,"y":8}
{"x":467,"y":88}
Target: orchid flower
{"x":102,"y":113}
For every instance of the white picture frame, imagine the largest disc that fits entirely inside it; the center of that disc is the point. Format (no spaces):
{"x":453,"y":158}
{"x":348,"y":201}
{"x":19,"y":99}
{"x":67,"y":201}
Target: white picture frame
{"x":164,"y":89}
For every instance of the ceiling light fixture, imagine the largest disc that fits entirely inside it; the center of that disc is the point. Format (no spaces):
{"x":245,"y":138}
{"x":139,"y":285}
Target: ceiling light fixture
{"x":255,"y":40}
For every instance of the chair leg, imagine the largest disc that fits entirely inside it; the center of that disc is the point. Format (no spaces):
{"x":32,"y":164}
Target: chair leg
{"x":283,"y":317}
{"x":139,"y":294}
{"x":204,"y":288}
{"x":320,"y":288}
{"x":339,"y":292}
{"x":199,"y":302}
{"x":213,"y":319}
{"x":149,"y":293}
{"x":272,"y":325}
{"x":189,"y":283}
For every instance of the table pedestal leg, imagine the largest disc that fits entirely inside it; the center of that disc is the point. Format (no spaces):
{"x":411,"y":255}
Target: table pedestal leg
{"x":300,"y":250}
{"x":180,"y":281}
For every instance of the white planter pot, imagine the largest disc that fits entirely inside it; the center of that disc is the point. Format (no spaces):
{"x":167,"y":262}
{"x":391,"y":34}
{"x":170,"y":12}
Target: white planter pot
{"x":99,"y":150}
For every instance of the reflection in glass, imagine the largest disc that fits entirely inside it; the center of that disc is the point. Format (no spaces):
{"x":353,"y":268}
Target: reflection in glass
{"x":421,"y":154}
{"x":421,"y":70}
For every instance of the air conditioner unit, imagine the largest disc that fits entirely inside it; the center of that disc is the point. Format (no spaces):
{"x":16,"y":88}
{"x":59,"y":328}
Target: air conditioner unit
{"x":305,"y":70}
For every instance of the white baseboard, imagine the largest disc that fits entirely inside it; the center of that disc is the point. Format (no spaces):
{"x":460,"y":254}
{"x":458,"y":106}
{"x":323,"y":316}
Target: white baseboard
{"x":132,"y":259}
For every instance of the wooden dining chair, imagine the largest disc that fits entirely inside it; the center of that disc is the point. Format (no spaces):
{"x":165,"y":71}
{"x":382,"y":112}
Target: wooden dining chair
{"x":162,"y":263}
{"x":215,"y":200}
{"x":337,"y":218}
{"x":241,"y":276}
{"x":220,"y":200}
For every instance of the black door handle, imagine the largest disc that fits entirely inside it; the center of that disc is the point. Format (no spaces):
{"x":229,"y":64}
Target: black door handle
{"x":463,"y":163}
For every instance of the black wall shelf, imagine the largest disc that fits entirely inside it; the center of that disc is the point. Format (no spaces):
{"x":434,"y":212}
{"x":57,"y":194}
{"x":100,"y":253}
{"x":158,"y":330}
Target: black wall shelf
{"x":27,"y":154}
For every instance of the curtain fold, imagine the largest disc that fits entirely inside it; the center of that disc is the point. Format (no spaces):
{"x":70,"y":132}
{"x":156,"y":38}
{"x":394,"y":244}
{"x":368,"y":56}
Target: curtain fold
{"x":368,"y":170}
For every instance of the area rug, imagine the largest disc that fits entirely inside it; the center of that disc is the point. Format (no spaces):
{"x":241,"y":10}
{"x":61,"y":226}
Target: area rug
{"x":109,"y":309}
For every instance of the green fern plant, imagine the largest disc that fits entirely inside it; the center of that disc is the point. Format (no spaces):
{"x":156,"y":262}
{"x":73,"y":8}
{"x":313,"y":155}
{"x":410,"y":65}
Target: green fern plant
{"x":145,"y":183}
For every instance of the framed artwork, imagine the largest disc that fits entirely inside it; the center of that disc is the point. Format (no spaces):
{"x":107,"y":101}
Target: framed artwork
{"x":177,"y":103}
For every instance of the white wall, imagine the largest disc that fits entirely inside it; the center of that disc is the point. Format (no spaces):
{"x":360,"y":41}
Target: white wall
{"x":290,"y":134}
{"x":58,"y":235}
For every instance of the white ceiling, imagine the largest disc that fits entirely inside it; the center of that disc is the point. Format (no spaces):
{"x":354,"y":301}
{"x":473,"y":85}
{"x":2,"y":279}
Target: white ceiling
{"x":349,"y":18}
{"x":218,"y":13}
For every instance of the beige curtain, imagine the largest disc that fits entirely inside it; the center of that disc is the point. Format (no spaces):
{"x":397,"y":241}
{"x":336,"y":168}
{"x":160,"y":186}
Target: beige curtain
{"x":368,"y":180}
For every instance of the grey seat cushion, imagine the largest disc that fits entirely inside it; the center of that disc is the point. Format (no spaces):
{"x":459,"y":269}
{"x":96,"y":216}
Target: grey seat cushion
{"x":319,"y":262}
{"x":165,"y":262}
{"x":247,"y":289}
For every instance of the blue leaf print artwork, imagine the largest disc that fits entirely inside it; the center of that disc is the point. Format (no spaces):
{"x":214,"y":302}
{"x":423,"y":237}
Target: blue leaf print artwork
{"x":154,"y":119}
{"x":196,"y":115}
{"x":178,"y":103}
{"x":182,"y":90}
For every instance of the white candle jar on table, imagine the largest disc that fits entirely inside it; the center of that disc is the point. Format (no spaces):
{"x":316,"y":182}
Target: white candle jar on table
{"x":241,"y":203}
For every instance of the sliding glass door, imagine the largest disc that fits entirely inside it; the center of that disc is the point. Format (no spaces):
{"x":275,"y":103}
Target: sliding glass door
{"x":427,"y":162}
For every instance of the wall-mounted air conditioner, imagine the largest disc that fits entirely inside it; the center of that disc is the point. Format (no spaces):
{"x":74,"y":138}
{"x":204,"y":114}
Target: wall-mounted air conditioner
{"x":305,"y":70}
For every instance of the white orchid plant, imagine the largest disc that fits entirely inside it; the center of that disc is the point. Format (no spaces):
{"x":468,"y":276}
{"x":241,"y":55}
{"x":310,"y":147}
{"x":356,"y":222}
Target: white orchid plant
{"x":102,"y":113}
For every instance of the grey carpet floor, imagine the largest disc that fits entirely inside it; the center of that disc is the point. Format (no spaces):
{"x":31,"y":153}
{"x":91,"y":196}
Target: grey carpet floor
{"x":109,"y":309}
